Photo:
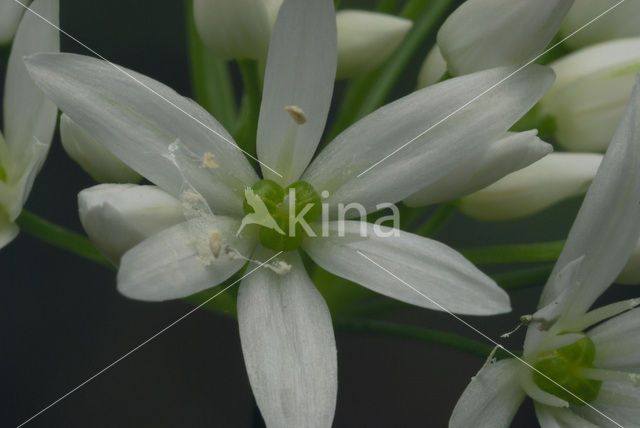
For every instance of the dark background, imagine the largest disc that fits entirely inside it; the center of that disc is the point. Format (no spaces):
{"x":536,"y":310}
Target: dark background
{"x":62,"y":321}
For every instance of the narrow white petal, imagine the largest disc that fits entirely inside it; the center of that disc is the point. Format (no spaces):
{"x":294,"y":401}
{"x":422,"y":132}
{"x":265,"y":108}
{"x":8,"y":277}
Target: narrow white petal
{"x":366,"y":39}
{"x":492,"y":398}
{"x":138,"y":118}
{"x":552,"y":179}
{"x":508,"y":154}
{"x":235,"y":29}
{"x":435,"y":276}
{"x":483,"y":34}
{"x":93,"y":157}
{"x":554,"y":417}
{"x":618,"y":343}
{"x":606,"y":229}
{"x":301,"y":68}
{"x":8,"y":230}
{"x":288,"y":346}
{"x":27,"y":111}
{"x":10,"y":14}
{"x":433,"y":68}
{"x":622,"y":21}
{"x":117,"y":217}
{"x":411,"y":143}
{"x":180,"y":261}
{"x":619,"y":401}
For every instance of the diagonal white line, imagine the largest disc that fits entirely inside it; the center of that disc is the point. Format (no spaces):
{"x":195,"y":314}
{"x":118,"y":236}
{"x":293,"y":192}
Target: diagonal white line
{"x":490,"y":89}
{"x":484,"y":335}
{"x":123,"y":71}
{"x":146,"y":341}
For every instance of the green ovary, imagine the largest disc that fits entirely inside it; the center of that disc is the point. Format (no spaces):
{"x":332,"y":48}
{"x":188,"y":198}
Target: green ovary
{"x":563,"y":366}
{"x":278,"y":201}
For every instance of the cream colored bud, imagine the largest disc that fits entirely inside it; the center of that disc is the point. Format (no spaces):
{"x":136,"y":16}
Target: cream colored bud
{"x":93,"y":157}
{"x":433,"y":68}
{"x":552,"y":179}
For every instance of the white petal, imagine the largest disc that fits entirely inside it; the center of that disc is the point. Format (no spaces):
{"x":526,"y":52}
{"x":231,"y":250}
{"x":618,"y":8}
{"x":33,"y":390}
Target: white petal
{"x":431,"y":274}
{"x":117,"y":217}
{"x":288,"y":347}
{"x":483,"y":34}
{"x":606,"y":229}
{"x":617,"y":342}
{"x":8,"y":230}
{"x":366,"y":39}
{"x":554,"y":417}
{"x":10,"y":14}
{"x":433,"y":68}
{"x":236,"y":29}
{"x":93,"y":157}
{"x":622,"y":21}
{"x":138,"y":118}
{"x":492,"y":398}
{"x":410,"y":143}
{"x":510,"y":153}
{"x":301,"y":68}
{"x":631,"y":272}
{"x":554,"y":178}
{"x":27,"y":111}
{"x":619,"y":401}
{"x":180,"y":261}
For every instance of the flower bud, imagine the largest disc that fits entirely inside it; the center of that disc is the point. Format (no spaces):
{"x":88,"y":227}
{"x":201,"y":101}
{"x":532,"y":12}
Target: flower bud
{"x":616,"y":23}
{"x":630,"y":274}
{"x":511,"y":153}
{"x":554,"y":178}
{"x":10,"y":14}
{"x":119,"y":216}
{"x":483,"y":34}
{"x":433,"y":68}
{"x":366,"y":39}
{"x":92,"y":156}
{"x":590,"y":93}
{"x":236,"y":29}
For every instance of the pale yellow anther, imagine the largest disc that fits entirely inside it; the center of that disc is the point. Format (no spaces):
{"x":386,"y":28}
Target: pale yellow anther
{"x":209,"y":161}
{"x":215,"y":242}
{"x":297,"y":114}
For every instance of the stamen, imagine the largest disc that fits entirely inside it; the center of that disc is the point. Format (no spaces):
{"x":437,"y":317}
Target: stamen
{"x":600,"y":314}
{"x":610,"y":375}
{"x":208,"y":161}
{"x":297,"y":114}
{"x":215,"y":242}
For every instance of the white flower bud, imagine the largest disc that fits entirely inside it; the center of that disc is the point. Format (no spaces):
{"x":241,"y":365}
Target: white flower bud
{"x":631,"y":272}
{"x":92,"y":156}
{"x":619,"y":22}
{"x":554,"y":178}
{"x":483,"y":34}
{"x":433,"y":68}
{"x":10,"y":14}
{"x":590,"y":93}
{"x":366,"y":39}
{"x":511,"y":153}
{"x":236,"y":29}
{"x":119,"y":216}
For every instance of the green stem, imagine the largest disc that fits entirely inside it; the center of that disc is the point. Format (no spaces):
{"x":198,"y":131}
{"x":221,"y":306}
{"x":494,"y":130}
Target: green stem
{"x":524,"y":278}
{"x":519,"y":253}
{"x":367,"y":93}
{"x":449,"y":340}
{"x":438,"y":219}
{"x":246,"y":127}
{"x":210,"y":77}
{"x":60,"y":237}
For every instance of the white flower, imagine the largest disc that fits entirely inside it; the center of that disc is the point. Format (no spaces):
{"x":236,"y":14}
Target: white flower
{"x":582,"y":378}
{"x":433,"y":68}
{"x":93,"y":157}
{"x":10,"y":14}
{"x":29,"y":117}
{"x":588,"y":97}
{"x":619,"y":22}
{"x":240,"y":29}
{"x":482,"y":34}
{"x":285,"y":327}
{"x":552,"y":179}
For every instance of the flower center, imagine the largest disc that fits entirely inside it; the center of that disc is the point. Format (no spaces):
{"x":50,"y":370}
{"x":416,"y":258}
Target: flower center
{"x":291,"y":208}
{"x":564,"y":366}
